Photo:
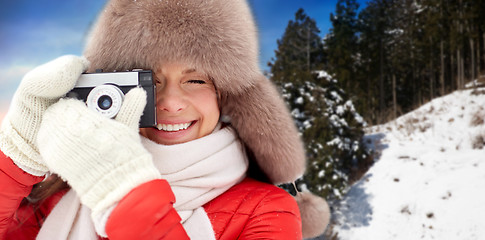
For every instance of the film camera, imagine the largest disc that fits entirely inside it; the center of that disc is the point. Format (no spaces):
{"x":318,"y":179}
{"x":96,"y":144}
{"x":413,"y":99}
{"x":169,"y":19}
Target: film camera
{"x":104,"y":92}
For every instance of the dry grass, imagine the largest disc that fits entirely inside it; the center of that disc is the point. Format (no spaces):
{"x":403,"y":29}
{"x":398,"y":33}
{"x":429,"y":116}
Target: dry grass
{"x":362,"y":167}
{"x":481,"y":80}
{"x":478,"y":119}
{"x":479,"y":141}
{"x":330,"y":234}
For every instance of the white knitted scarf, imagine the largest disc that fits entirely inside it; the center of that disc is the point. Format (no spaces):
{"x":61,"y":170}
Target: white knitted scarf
{"x":197,"y":171}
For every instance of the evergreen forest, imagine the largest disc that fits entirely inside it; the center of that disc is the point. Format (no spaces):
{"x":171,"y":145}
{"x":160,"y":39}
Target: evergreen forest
{"x":375,"y":64}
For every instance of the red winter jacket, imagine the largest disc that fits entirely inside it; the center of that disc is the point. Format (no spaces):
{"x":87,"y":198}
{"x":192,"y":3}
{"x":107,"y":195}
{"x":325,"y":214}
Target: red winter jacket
{"x":249,"y":210}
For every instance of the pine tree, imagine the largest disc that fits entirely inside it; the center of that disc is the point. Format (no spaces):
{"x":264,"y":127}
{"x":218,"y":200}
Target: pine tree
{"x":372,"y":62}
{"x":416,"y":50}
{"x":326,"y":118}
{"x":299,"y":50}
{"x":341,"y":43}
{"x":332,"y":131}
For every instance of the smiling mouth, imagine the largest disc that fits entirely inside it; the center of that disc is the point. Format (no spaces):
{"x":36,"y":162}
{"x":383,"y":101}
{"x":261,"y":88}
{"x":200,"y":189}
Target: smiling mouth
{"x":173,"y":127}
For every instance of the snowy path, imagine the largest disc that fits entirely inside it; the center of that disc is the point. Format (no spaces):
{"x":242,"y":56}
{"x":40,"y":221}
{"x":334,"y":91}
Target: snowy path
{"x":429,"y":181}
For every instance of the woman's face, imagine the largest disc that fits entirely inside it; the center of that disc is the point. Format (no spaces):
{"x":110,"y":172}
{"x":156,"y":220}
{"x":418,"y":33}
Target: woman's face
{"x":187,"y":106}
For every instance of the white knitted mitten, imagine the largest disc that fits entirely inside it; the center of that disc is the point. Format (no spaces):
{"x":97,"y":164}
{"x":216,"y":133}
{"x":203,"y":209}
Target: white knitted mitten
{"x":101,"y":159}
{"x":39,"y":89}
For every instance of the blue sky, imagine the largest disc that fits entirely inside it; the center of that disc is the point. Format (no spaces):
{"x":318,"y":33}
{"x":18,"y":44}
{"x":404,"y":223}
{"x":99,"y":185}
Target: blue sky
{"x":36,"y":31}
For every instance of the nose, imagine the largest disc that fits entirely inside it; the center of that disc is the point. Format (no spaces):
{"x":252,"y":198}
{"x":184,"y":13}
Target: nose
{"x":170,"y":98}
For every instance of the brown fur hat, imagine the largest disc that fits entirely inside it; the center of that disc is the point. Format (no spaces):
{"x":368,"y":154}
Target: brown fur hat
{"x":220,"y":38}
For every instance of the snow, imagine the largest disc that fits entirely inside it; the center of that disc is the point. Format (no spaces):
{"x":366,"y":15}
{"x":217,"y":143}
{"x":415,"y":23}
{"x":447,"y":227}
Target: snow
{"x":428,"y":181}
{"x":323,"y":74}
{"x":336,"y":96}
{"x":299,"y":100}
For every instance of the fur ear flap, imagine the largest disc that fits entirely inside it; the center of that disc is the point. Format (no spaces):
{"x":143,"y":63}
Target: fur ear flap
{"x":315,"y":214}
{"x":264,"y":124}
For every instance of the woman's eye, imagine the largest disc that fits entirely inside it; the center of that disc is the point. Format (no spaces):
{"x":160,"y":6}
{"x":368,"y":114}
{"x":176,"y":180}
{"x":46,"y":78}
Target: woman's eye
{"x":196,"y":81}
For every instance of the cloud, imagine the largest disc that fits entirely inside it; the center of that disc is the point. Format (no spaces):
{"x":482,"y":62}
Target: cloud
{"x":11,"y":77}
{"x":28,"y":44}
{"x":13,"y":74}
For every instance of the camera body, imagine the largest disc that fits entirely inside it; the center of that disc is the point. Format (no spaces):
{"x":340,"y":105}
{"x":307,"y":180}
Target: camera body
{"x":104,"y":92}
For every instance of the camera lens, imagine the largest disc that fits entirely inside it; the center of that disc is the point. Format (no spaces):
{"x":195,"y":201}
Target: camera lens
{"x":105,"y":99}
{"x":105,"y":102}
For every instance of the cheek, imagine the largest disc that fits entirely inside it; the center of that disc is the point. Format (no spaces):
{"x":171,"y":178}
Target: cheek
{"x":207,"y":106}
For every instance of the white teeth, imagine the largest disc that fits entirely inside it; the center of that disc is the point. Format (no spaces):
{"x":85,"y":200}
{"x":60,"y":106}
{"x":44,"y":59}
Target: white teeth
{"x":173,"y":127}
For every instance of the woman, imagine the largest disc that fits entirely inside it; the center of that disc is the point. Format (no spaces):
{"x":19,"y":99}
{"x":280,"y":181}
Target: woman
{"x":220,"y":126}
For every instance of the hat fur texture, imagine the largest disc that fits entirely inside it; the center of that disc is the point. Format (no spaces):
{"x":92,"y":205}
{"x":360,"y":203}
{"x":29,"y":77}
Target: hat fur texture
{"x":315,"y":214}
{"x":218,"y":37}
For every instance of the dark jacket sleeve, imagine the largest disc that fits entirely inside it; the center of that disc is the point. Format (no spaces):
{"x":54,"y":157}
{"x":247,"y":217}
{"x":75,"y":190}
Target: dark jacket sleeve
{"x":146,"y":213}
{"x":15,"y":184}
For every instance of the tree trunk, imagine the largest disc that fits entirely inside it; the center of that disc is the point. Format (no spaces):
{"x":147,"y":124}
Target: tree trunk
{"x":442,"y":55}
{"x":308,"y":50}
{"x":458,"y":69}
{"x":431,"y":78}
{"x":479,"y":62}
{"x":431,"y":72}
{"x":461,"y":69}
{"x":442,"y":70}
{"x":453,"y":73}
{"x":413,"y":76}
{"x":472,"y":64}
{"x":459,"y":57}
{"x":394,"y":97}
{"x":371,"y":97}
{"x":420,"y":92}
{"x":381,"y":79}
{"x":462,"y":66}
{"x":483,"y":36}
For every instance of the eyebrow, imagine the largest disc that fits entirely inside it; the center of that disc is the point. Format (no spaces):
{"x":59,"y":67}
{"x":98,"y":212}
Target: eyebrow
{"x":190,"y":70}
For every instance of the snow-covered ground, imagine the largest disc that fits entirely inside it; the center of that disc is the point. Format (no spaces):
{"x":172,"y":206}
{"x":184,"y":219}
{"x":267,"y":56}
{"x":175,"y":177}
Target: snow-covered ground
{"x":428,"y":181}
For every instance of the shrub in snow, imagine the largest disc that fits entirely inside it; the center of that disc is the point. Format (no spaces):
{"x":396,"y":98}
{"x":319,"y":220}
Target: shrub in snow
{"x":331,"y":129}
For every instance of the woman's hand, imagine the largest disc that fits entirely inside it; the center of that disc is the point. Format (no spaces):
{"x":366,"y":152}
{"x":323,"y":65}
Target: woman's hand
{"x":39,"y":89}
{"x":102,"y":159}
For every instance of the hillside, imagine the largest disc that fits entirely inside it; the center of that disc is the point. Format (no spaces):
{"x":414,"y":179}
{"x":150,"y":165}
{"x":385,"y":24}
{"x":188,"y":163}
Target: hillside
{"x":428,"y":181}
